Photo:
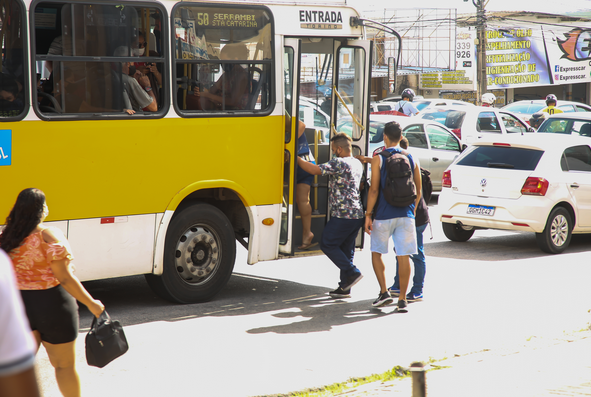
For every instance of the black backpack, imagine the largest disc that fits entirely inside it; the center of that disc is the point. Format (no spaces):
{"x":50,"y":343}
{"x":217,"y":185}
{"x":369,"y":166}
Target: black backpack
{"x":399,"y":188}
{"x":426,"y":185}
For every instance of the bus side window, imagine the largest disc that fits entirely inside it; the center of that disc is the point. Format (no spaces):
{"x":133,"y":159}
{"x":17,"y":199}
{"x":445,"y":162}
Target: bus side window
{"x":12,"y":92}
{"x":94,"y":52}
{"x":222,"y":66}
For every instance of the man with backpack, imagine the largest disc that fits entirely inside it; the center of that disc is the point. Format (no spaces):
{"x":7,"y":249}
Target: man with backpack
{"x":391,"y":204}
{"x":346,"y":211}
{"x":421,"y":222}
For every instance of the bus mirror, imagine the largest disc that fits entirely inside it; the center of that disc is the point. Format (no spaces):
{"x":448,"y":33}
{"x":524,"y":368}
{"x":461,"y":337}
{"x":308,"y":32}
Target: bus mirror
{"x":391,"y":75}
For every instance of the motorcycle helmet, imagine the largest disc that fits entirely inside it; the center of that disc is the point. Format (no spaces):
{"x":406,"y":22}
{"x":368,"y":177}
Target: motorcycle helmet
{"x":408,"y":93}
{"x":489,"y":98}
{"x":537,"y":119}
{"x":551,"y":98}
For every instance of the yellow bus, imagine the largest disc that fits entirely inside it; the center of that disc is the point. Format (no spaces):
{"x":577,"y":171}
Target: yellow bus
{"x":153,"y":162}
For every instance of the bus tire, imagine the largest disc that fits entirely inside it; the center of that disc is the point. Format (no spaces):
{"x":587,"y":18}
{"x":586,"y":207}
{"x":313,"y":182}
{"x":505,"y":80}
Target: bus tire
{"x":199,"y":255}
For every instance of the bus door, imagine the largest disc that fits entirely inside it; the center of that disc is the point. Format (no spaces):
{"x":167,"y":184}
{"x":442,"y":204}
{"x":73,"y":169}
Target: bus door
{"x":351,"y":93}
{"x":291,"y":76}
{"x":303,"y":98}
{"x":319,"y":72}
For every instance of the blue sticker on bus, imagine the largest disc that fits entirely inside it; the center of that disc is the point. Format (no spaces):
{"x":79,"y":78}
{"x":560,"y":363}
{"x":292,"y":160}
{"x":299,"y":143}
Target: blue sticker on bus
{"x":5,"y":147}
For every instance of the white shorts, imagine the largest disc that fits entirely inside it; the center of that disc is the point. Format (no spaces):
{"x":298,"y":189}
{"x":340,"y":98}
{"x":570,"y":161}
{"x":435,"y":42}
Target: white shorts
{"x":403,"y":232}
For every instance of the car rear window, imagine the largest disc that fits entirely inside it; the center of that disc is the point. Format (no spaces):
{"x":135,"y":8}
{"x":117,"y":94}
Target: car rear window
{"x":450,"y":118}
{"x":526,"y":108}
{"x":502,"y":157}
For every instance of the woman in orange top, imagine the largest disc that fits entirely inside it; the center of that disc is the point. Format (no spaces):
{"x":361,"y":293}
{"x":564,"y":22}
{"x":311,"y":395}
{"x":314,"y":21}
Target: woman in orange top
{"x":41,"y":256}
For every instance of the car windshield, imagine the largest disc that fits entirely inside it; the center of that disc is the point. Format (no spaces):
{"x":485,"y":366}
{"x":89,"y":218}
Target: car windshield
{"x":502,"y":157}
{"x":525,"y":108}
{"x":566,"y":126}
{"x":448,"y":117}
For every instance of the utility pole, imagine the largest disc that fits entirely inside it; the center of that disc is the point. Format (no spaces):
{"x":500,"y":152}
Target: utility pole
{"x":481,"y":78}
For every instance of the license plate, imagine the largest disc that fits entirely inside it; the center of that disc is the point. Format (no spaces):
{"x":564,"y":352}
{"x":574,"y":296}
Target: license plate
{"x":480,"y":210}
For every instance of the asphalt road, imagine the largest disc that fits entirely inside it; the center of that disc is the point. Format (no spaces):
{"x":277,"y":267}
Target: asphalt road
{"x":274,"y":330}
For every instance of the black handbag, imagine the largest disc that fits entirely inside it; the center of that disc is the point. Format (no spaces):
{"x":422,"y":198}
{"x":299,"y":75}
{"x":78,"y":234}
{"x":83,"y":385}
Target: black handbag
{"x":105,"y":341}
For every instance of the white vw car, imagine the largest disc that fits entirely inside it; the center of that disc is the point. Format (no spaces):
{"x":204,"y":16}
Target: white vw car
{"x":536,"y":183}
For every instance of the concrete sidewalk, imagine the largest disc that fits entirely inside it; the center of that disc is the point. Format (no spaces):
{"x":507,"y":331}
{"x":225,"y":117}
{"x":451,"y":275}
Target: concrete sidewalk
{"x":557,"y":367}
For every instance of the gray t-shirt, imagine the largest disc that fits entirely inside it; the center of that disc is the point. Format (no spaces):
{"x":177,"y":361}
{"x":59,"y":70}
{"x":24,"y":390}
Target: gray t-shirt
{"x":135,"y":96}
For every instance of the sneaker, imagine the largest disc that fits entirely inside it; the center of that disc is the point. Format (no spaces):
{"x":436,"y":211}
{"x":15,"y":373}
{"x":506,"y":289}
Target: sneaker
{"x":394,"y":292}
{"x":352,"y":281}
{"x":340,"y":293}
{"x":383,"y":299}
{"x":402,"y":306}
{"x":412,"y":297}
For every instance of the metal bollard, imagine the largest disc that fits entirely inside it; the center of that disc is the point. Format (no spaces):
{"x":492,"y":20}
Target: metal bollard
{"x":419,"y":381}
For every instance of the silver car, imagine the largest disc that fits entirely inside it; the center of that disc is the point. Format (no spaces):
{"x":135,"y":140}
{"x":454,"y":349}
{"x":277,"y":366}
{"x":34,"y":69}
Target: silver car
{"x":433,"y":144}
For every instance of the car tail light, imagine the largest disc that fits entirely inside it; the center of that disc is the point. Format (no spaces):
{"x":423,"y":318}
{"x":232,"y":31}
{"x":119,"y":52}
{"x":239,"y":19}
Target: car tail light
{"x":535,"y":186}
{"x":446,"y":180}
{"x":501,"y":144}
{"x":458,"y":133}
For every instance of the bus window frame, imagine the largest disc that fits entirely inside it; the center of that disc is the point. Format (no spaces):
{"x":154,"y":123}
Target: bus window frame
{"x":345,"y":44}
{"x":26,"y":82}
{"x":223,"y":113}
{"x":163,"y":59}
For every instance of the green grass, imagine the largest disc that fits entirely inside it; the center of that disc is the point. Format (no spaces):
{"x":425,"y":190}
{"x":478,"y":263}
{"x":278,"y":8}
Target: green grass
{"x":336,"y":388}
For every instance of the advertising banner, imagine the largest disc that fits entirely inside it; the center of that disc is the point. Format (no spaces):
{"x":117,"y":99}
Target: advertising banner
{"x":534,"y":56}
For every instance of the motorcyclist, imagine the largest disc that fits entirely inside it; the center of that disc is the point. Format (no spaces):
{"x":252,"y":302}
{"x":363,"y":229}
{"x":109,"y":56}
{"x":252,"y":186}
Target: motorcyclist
{"x":537,"y":119}
{"x":551,"y":102}
{"x":405,"y":105}
{"x":488,"y":99}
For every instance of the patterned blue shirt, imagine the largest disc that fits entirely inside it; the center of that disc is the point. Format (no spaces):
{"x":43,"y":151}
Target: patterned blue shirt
{"x":343,"y":187}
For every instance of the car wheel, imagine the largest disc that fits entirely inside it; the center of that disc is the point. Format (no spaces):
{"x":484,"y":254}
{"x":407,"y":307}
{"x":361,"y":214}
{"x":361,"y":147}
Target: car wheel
{"x":199,"y":256}
{"x":558,"y":231}
{"x":455,"y":232}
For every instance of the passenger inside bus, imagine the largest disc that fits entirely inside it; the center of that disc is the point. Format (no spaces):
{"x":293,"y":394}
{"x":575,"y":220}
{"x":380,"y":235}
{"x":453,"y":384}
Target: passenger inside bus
{"x":137,"y":94}
{"x":10,"y":103}
{"x":231,"y":90}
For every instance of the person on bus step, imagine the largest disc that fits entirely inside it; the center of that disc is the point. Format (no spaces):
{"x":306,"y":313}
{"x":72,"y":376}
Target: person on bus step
{"x":304,"y":181}
{"x":405,"y":105}
{"x":488,"y":99}
{"x":346,"y":210}
{"x":230,"y":92}
{"x":42,"y":261}
{"x":137,"y":95}
{"x":551,"y":102}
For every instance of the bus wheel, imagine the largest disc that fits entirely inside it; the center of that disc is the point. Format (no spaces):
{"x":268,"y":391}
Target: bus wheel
{"x":199,"y":256}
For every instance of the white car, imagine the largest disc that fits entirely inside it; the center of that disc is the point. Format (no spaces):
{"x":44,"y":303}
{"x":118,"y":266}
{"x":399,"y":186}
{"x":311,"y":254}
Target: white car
{"x":524,"y":109}
{"x":382,"y":106}
{"x":435,"y":146}
{"x":540,"y":185}
{"x":471,"y":123}
{"x":567,"y":123}
{"x":430,"y":103}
